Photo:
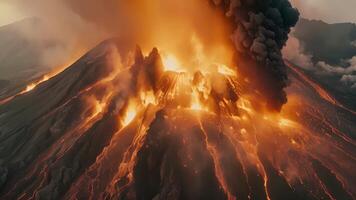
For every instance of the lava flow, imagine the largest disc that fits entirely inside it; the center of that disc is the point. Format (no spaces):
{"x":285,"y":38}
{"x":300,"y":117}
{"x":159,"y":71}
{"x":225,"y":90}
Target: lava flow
{"x":181,"y":122}
{"x":242,"y":144}
{"x":180,"y":135}
{"x":323,"y":93}
{"x":43,"y":78}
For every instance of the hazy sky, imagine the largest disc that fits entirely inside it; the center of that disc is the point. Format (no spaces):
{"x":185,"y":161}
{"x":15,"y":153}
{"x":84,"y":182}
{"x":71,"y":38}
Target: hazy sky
{"x":327,"y":10}
{"x":9,"y":13}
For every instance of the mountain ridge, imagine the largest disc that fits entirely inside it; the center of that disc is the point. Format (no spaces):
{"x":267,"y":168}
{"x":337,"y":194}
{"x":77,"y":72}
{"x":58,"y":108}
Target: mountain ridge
{"x":68,"y":138}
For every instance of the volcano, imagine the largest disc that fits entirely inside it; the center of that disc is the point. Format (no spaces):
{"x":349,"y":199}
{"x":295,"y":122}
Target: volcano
{"x":118,"y":124}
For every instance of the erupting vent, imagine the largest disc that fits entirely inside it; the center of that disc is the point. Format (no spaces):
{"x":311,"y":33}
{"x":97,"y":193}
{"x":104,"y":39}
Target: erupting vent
{"x":136,"y":127}
{"x":198,"y":121}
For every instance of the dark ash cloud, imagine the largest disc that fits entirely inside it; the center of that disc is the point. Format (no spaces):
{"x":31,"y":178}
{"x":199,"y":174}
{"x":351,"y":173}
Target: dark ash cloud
{"x":261,"y":31}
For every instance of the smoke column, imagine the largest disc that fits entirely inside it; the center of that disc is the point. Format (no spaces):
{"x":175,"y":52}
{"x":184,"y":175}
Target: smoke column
{"x":261,"y":31}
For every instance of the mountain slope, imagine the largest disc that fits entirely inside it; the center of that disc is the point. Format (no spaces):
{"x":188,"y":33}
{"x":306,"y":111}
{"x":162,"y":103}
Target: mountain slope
{"x":31,"y":123}
{"x":29,"y":52}
{"x":95,"y":132}
{"x":332,"y":50}
{"x":20,"y":56}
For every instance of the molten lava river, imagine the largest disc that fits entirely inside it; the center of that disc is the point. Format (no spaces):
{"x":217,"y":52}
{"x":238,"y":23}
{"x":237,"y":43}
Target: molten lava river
{"x":179,"y":123}
{"x":145,"y":127}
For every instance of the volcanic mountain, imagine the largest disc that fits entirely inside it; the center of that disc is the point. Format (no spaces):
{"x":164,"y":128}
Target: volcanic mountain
{"x":118,"y":124}
{"x":26,"y":47}
{"x":331,"y":44}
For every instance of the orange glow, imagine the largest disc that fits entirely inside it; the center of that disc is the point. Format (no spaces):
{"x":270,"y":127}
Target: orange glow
{"x":225,"y":70}
{"x":45,"y":78}
{"x":197,"y":94}
{"x":321,"y":91}
{"x":130,"y":113}
{"x":171,"y":63}
{"x":187,"y":45}
{"x":34,"y":85}
{"x":285,"y":122}
{"x":99,"y":107}
{"x":187,"y":42}
{"x":196,"y":105}
{"x":56,"y":71}
{"x":245,"y":105}
{"x":148,"y":98}
{"x":201,"y":85}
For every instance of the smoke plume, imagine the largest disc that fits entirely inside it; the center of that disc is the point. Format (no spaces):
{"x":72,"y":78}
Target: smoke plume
{"x":173,"y":26}
{"x":345,"y":71}
{"x":70,"y":34}
{"x":258,"y":28}
{"x":294,"y":52}
{"x":261,"y":30}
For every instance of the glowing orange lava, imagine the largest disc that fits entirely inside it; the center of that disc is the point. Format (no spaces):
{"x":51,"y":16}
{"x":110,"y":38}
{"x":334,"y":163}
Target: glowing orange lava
{"x":46,"y":77}
{"x":130,"y":113}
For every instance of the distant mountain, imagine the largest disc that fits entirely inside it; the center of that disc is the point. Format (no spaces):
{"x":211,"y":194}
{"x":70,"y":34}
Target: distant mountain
{"x":28,"y":50}
{"x":334,"y":45}
{"x":20,"y":54}
{"x":331,"y":43}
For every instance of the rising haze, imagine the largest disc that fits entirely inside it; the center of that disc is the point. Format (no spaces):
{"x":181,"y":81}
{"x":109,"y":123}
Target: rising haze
{"x":328,"y":10}
{"x":188,"y":102}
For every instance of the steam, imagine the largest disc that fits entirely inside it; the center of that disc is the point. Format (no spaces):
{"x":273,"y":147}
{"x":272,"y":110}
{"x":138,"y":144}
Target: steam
{"x":261,"y":30}
{"x":81,"y":24}
{"x":353,"y":43}
{"x":348,"y":74}
{"x":295,"y":53}
{"x":349,"y":79}
{"x":327,"y":10}
{"x":338,"y":70}
{"x":62,"y":33}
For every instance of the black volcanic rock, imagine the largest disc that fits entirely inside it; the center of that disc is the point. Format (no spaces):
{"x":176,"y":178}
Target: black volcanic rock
{"x":67,"y":139}
{"x":35,"y":124}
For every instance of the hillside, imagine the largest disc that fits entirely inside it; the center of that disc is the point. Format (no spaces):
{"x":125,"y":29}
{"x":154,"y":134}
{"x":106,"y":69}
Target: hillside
{"x":115,"y":125}
{"x":331,"y":48}
{"x":331,"y":43}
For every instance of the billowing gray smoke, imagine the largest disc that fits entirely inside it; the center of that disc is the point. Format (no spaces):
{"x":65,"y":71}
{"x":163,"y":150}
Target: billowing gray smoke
{"x":261,"y":31}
